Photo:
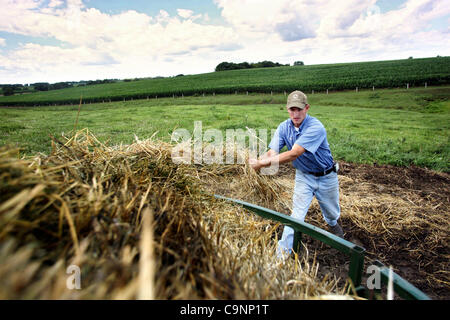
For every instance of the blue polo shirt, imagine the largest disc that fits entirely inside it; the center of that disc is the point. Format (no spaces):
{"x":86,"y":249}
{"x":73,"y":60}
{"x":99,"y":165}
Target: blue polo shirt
{"x":312,"y":136}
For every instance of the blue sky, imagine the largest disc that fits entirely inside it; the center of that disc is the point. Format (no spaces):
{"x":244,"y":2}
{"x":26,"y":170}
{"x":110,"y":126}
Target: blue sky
{"x":152,"y":7}
{"x":64,"y":40}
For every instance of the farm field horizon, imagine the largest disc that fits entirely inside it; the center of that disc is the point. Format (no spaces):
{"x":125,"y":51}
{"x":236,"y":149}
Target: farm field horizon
{"x":322,"y":77}
{"x":388,"y":126}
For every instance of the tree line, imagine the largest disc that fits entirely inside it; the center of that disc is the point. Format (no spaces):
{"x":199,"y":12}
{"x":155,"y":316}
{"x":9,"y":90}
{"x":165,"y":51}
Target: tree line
{"x":10,"y":89}
{"x":223,"y":66}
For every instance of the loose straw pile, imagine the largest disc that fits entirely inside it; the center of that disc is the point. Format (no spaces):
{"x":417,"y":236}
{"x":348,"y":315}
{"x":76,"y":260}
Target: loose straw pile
{"x":138,"y":226}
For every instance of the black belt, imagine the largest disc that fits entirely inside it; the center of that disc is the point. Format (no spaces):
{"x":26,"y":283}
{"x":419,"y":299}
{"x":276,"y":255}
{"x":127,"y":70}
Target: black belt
{"x":334,"y":168}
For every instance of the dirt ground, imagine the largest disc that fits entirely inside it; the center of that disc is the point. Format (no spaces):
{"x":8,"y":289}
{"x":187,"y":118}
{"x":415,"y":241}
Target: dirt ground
{"x":426,"y":191}
{"x":413,"y":202}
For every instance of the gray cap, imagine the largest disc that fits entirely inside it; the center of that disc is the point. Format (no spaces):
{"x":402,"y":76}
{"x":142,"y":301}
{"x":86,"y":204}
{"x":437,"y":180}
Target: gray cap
{"x":297,"y":99}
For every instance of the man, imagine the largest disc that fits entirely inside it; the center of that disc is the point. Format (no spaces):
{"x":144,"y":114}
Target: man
{"x":316,"y":172}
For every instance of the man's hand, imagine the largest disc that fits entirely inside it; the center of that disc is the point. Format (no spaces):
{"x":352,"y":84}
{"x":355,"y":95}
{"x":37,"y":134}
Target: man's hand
{"x":255,"y":164}
{"x":263,"y":161}
{"x":273,"y":157}
{"x":258,"y":164}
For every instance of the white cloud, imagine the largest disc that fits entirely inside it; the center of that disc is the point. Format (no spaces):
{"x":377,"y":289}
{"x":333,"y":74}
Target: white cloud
{"x":325,"y":31}
{"x":55,"y":3}
{"x":292,"y":19}
{"x":129,"y":31}
{"x":21,"y":4}
{"x":184,"y":13}
{"x":128,"y":44}
{"x":133,"y":44}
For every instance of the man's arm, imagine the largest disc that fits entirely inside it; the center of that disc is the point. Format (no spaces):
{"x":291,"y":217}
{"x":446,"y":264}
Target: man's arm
{"x":272,"y":157}
{"x":268,"y":154}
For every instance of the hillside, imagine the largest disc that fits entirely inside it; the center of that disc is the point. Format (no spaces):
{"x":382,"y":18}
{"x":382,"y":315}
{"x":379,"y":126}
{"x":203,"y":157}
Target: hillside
{"x":381,"y":74}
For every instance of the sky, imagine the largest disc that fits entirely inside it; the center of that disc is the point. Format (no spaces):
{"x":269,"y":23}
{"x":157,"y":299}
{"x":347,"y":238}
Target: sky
{"x":73,"y":40}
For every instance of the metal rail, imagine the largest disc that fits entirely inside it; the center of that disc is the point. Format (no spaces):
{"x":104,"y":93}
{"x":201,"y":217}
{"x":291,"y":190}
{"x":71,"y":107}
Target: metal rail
{"x":356,"y":253}
{"x":402,"y":287}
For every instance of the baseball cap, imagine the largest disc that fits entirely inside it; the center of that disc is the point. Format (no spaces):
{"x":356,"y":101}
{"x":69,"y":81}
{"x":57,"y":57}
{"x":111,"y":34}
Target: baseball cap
{"x":297,"y":99}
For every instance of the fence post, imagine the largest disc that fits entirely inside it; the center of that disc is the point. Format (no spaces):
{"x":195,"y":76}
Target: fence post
{"x":425,"y":84}
{"x":297,"y":243}
{"x":356,"y":266}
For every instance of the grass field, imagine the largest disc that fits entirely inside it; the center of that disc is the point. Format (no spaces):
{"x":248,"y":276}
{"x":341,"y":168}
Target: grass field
{"x":381,"y":74}
{"x":399,"y":127}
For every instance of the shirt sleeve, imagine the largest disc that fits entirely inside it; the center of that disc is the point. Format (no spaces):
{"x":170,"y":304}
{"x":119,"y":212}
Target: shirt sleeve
{"x":312,"y":137}
{"x":277,"y":143}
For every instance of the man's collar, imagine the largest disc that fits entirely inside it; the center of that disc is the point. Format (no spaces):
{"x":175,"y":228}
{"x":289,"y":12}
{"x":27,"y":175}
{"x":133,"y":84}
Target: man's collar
{"x":304,"y":121}
{"x":301,"y":124}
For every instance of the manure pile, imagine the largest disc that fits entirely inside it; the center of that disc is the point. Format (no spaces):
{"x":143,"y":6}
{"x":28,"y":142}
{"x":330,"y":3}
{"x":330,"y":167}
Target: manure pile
{"x":139,"y":226}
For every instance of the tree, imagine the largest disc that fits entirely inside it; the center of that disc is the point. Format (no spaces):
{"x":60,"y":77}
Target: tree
{"x":299,"y":63}
{"x":60,"y":85}
{"x":8,"y":90}
{"x":41,"y":86}
{"x":226,"y":66}
{"x":266,"y":64}
{"x":245,"y":65}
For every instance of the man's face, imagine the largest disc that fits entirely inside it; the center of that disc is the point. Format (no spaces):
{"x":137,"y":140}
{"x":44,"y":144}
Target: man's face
{"x":297,"y":115}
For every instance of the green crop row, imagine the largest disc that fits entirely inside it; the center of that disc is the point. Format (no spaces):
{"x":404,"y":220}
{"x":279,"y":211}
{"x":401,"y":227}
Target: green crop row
{"x":334,"y":77}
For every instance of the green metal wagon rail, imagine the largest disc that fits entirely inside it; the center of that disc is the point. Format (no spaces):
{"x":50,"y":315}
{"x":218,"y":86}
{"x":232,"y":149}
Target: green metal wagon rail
{"x":356,"y":253}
